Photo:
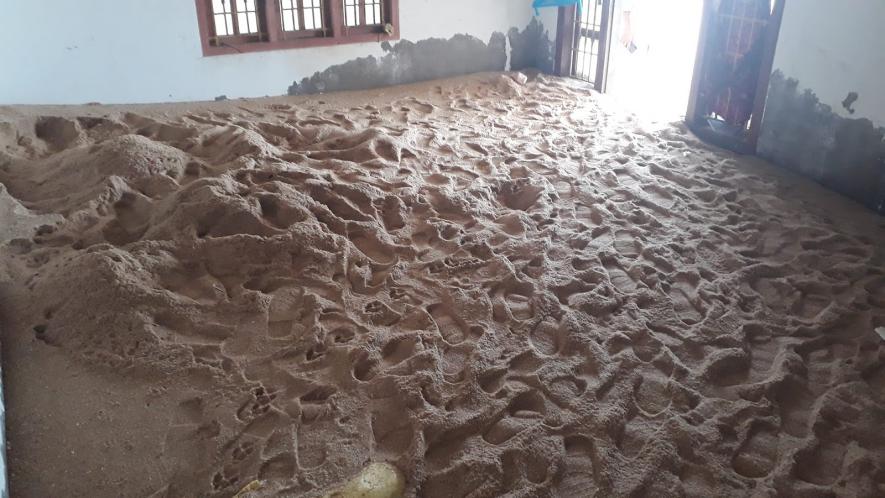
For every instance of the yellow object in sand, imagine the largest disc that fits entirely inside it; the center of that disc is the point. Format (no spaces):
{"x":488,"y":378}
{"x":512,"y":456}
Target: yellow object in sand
{"x":252,"y":486}
{"x":378,"y":480}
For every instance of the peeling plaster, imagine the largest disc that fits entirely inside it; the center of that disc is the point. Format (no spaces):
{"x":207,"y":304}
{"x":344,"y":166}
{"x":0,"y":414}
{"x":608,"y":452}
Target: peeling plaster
{"x":849,"y":101}
{"x":801,"y":133}
{"x":432,"y":58}
{"x":531,"y":47}
{"x":409,"y":62}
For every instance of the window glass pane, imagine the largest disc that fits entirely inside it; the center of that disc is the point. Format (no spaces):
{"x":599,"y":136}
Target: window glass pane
{"x":253,"y":22}
{"x":229,"y":20}
{"x":378,"y":19}
{"x":220,"y":27}
{"x":318,"y":18}
{"x":217,"y":6}
{"x":308,"y":21}
{"x":288,"y":21}
{"x":351,"y":13}
{"x":242,"y":23}
{"x":287,"y":4}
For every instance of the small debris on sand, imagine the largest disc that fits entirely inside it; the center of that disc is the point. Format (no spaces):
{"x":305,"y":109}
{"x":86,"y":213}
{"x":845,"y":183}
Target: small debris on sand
{"x":378,"y":480}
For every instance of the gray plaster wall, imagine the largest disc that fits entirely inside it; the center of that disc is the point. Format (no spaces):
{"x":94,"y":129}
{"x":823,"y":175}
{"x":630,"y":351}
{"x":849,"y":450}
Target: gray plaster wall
{"x":432,"y":58}
{"x":803,"y":134}
{"x":825,"y":109}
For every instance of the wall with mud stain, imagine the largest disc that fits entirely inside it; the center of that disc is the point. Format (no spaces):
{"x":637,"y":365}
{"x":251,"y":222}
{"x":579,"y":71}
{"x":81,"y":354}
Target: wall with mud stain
{"x":806,"y":135}
{"x":131,"y":51}
{"x":408,"y":62}
{"x":825,"y":111}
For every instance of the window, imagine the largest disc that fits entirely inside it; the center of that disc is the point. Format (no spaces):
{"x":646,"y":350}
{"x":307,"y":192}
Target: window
{"x":235,"y":26}
{"x":237,"y":21}
{"x":302,"y":15}
{"x":362,"y":12}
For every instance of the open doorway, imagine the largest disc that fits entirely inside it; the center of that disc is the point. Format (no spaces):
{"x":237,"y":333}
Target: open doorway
{"x":707,"y":61}
{"x":642,"y":52}
{"x":652,"y":56}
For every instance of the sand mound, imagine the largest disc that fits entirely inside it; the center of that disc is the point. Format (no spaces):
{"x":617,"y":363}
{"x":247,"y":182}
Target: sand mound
{"x":18,"y":222}
{"x":495,"y":284}
{"x":131,"y":159}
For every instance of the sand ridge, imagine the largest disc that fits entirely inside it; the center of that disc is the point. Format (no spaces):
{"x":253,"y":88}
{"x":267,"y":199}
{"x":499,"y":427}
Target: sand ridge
{"x":499,"y":286}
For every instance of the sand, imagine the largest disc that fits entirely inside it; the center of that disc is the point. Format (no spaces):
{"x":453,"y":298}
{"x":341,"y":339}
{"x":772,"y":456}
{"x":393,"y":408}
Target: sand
{"x":498,"y":286}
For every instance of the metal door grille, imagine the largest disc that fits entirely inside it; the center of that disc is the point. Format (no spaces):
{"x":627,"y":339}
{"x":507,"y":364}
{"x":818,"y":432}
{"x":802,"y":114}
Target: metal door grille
{"x":590,"y":52}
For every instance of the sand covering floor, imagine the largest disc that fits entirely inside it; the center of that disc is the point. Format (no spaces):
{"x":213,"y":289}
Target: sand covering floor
{"x":499,"y":287}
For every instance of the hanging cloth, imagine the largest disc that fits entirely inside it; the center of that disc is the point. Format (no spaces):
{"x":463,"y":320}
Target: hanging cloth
{"x":554,"y":3}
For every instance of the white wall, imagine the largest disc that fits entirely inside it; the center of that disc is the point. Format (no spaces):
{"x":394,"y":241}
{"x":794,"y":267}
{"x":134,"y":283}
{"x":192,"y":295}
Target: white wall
{"x":135,"y":51}
{"x":833,"y":48}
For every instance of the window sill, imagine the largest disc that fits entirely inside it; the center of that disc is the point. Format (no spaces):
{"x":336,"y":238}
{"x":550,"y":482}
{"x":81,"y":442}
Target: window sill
{"x":243,"y":48}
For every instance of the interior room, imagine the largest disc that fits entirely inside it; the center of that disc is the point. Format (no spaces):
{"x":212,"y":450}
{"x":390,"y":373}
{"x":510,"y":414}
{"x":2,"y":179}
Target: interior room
{"x":415,"y":248}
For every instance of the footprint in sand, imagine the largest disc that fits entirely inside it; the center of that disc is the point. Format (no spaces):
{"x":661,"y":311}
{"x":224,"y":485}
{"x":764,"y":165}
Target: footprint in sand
{"x":567,"y":389}
{"x":452,"y":329}
{"x":652,"y":392}
{"x":547,"y":337}
{"x":379,"y":313}
{"x":454,"y":362}
{"x":513,"y":301}
{"x":578,"y":477}
{"x":312,"y":449}
{"x":687,"y":304}
{"x":521,"y":466}
{"x":399,"y":349}
{"x":795,"y":403}
{"x":626,"y":244}
{"x":278,"y":467}
{"x":365,"y":367}
{"x":133,"y":212}
{"x":619,"y":278}
{"x":525,"y":410}
{"x":758,"y":454}
{"x":520,"y":306}
{"x":635,"y":434}
{"x":821,"y":465}
{"x":392,"y":430}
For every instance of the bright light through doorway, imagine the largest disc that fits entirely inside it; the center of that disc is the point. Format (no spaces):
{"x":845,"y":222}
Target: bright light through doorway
{"x":653,"y":56}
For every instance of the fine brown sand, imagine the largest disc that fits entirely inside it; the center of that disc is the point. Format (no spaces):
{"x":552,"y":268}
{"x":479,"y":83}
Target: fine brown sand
{"x":497,"y":286}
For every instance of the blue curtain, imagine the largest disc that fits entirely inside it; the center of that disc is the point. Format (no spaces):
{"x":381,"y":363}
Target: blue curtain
{"x":554,"y":3}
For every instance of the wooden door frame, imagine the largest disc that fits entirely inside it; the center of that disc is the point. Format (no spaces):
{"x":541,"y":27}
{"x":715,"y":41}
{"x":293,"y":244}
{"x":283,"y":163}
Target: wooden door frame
{"x":566,"y":33}
{"x":565,"y":40}
{"x":696,"y":76}
{"x":603,"y":56}
{"x":692,"y":118}
{"x":771,"y":37}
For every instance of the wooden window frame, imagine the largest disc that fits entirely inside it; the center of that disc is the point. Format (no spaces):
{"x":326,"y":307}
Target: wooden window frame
{"x":303,"y":33}
{"x":271,"y":35}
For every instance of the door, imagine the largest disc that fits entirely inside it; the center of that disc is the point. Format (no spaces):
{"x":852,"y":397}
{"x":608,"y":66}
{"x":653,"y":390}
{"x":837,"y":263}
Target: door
{"x":732,"y":71}
{"x":583,"y":44}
